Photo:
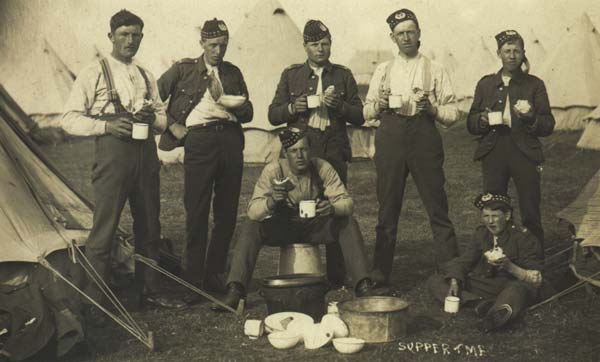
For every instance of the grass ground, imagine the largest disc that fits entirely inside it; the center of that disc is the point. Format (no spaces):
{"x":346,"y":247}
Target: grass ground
{"x":567,"y":330}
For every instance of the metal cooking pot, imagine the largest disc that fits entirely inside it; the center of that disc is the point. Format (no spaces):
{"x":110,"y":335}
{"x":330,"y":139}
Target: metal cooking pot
{"x":375,"y":319}
{"x":304,"y":293}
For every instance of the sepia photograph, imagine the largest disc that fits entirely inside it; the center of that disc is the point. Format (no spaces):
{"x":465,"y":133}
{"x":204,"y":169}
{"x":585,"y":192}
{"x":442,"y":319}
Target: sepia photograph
{"x":299,"y":180}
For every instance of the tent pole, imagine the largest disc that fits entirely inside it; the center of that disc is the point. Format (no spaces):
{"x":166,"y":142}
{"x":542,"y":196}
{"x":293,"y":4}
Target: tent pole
{"x":147,"y":341}
{"x":154,"y":265}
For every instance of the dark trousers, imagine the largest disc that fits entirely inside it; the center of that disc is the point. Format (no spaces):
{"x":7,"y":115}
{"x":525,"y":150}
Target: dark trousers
{"x":504,"y":161}
{"x":519,"y":295}
{"x":331,"y":147}
{"x":125,"y":170}
{"x":213,"y":162}
{"x":278,"y":232}
{"x":403,"y":146}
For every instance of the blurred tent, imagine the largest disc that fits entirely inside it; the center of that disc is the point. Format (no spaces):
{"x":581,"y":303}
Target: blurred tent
{"x":363,"y":64}
{"x":41,"y":215}
{"x":590,"y":138}
{"x":572,"y":75}
{"x":583,"y":214}
{"x":535,"y":50}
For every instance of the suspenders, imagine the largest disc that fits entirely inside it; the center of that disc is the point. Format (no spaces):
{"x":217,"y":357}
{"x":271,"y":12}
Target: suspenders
{"x":113,"y":95}
{"x":426,"y":76}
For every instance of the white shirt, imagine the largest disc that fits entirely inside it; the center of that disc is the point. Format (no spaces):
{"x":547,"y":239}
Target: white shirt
{"x":208,"y":109}
{"x":506,"y":116}
{"x":319,"y":117}
{"x":407,"y":74}
{"x":89,"y":95}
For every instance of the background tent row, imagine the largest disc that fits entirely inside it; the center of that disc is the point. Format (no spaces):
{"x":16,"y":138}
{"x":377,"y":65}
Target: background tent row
{"x":571,"y":71}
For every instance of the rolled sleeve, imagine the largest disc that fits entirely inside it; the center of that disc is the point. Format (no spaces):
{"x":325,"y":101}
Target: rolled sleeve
{"x":160,"y":124}
{"x":370,"y":109}
{"x":447,"y":114}
{"x":335,"y":191}
{"x":76,"y":120}
{"x":258,"y":209}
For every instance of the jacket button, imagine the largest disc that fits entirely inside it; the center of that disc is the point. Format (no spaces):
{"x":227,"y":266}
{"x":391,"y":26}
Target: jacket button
{"x":500,"y":101}
{"x":501,"y":88}
{"x":313,"y":77}
{"x":311,"y":88}
{"x":191,"y":101}
{"x":493,"y":130}
{"x":182,"y":112}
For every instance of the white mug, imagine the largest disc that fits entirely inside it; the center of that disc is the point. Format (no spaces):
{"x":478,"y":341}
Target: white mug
{"x":495,"y":118}
{"x":395,"y":101}
{"x":139,"y":131}
{"x":308,"y":209}
{"x":314,"y":101}
{"x":254,"y":328}
{"x":452,"y":304}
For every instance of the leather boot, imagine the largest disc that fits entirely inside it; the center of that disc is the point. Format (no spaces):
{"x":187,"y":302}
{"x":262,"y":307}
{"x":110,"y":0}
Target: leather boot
{"x":495,"y":318}
{"x":235,"y":292}
{"x":366,"y":288}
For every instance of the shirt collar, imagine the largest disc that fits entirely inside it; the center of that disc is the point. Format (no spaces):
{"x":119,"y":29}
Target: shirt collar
{"x":518,"y":77}
{"x":307,"y":70}
{"x":203,"y":67}
{"x":406,"y":59}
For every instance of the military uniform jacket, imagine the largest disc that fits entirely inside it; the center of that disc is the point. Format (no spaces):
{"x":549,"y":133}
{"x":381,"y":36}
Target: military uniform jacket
{"x":299,"y":79}
{"x":491,"y":93}
{"x":185,"y":83}
{"x":518,"y":244}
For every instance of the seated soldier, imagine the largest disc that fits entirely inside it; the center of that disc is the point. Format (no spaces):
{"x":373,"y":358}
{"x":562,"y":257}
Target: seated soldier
{"x":499,"y":271}
{"x":274,"y":217}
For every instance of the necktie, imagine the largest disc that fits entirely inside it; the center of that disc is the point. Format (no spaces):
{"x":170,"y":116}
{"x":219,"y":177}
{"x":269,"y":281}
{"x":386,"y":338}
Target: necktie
{"x":214,"y":86}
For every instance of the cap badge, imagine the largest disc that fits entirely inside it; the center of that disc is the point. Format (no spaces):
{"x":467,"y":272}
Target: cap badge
{"x":486,"y":197}
{"x":222,"y":27}
{"x":400,"y":16}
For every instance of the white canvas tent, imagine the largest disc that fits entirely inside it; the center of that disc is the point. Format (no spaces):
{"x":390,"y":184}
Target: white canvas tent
{"x":584,"y":215}
{"x":590,"y":138}
{"x":41,"y":213}
{"x":572,"y":75}
{"x":535,"y":50}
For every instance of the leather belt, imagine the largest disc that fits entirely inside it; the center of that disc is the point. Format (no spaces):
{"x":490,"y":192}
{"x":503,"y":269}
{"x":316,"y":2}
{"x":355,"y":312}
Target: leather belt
{"x":210,"y":124}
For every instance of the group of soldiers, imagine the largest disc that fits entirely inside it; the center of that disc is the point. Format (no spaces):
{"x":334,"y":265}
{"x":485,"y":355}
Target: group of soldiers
{"x":407,"y":94}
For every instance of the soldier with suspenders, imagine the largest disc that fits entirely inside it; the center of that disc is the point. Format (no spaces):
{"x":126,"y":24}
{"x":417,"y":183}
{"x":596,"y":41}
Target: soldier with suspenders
{"x":408,"y":141}
{"x":106,"y":99}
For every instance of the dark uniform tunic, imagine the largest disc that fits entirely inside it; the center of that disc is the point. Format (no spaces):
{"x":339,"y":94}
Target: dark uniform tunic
{"x":213,"y":160}
{"x":481,"y":280}
{"x":516,"y":151}
{"x":332,"y":144}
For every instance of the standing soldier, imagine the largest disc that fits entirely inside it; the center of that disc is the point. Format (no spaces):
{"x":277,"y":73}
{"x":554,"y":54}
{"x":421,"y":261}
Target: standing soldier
{"x":106,"y":99}
{"x":324,"y":122}
{"x":510,"y":111}
{"x":408,"y":94}
{"x":209,"y":127}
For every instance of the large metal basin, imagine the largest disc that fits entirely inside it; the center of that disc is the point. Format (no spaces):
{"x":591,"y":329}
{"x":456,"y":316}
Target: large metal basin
{"x":375,"y":319}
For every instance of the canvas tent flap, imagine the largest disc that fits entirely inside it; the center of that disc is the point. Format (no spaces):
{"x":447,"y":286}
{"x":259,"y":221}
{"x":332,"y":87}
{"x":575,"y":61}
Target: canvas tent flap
{"x":267,"y":26}
{"x":584,"y":213}
{"x":39,"y":210}
{"x":572,"y":70}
